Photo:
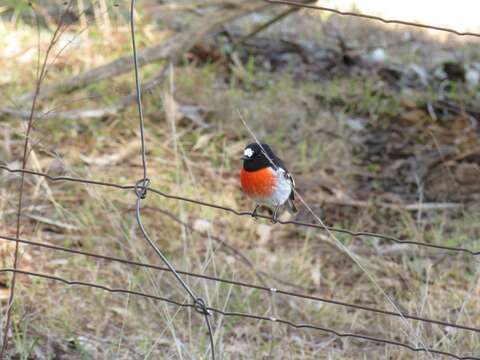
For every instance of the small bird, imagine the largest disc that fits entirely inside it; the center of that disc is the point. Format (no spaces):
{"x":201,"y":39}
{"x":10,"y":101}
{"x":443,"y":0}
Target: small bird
{"x":265,"y":179}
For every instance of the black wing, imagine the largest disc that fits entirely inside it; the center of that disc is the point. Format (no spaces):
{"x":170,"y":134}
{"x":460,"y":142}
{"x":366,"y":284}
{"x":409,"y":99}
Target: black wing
{"x":278,"y":163}
{"x":292,"y":181}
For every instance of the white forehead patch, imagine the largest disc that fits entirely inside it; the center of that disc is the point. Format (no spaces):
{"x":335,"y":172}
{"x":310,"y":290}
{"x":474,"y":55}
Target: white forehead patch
{"x":248,"y":152}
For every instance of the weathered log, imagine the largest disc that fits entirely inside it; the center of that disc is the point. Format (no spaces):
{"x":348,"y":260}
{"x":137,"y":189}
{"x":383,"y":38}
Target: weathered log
{"x":171,"y":49}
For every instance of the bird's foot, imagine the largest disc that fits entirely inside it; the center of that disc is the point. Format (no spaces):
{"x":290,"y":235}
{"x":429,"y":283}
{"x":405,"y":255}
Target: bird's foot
{"x":275,"y":215}
{"x":254,"y":212}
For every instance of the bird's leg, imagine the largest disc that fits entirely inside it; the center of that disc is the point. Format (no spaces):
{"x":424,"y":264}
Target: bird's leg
{"x":254,"y":213}
{"x":274,"y":216}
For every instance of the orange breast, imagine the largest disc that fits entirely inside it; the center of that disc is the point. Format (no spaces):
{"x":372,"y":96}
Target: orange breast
{"x":258,"y":183}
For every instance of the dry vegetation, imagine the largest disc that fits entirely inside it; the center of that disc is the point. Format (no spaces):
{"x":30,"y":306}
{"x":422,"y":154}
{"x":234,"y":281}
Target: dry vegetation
{"x":370,"y":138}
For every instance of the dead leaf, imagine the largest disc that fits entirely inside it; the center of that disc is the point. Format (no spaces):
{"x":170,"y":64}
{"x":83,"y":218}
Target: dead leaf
{"x":414,"y":116}
{"x":203,"y":140}
{"x":4,"y":294}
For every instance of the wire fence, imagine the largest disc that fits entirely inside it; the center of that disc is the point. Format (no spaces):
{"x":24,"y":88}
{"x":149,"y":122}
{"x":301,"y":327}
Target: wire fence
{"x":142,"y":188}
{"x":309,"y":5}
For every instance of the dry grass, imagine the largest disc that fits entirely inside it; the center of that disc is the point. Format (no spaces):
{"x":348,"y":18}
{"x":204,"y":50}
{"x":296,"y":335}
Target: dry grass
{"x":303,"y":122}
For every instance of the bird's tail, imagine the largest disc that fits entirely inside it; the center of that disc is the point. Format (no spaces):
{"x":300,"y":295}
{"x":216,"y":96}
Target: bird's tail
{"x":291,"y":206}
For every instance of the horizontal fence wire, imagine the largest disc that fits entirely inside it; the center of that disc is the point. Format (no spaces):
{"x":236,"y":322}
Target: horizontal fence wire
{"x":243,"y":315}
{"x":246,"y":213}
{"x":372,"y":17}
{"x":243,"y":284}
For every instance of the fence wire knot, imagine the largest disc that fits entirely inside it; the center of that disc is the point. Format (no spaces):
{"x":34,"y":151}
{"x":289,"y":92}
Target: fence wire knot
{"x":141,"y":188}
{"x":200,"y":307}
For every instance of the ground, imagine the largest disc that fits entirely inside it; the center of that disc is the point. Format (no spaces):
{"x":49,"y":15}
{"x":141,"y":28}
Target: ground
{"x":378,"y":124}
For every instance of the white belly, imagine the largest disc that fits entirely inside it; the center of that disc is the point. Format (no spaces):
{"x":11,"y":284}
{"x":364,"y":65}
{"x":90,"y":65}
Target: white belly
{"x":281,"y":193}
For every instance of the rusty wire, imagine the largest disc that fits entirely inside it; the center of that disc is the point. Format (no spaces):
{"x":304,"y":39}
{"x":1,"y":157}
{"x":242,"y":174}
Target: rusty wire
{"x":243,"y":315}
{"x":242,"y":284}
{"x":238,"y":283}
{"x":246,"y":213}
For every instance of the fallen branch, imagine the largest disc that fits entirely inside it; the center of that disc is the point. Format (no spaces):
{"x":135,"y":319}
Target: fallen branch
{"x":171,"y":49}
{"x":265,"y":25}
{"x":68,"y":115}
{"x":398,"y":207}
{"x":90,"y":113}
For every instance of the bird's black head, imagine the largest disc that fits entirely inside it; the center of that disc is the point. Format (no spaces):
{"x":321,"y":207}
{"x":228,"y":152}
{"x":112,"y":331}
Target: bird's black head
{"x":254,"y":158}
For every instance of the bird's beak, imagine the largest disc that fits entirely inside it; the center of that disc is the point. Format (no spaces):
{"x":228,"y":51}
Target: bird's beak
{"x":244,"y":157}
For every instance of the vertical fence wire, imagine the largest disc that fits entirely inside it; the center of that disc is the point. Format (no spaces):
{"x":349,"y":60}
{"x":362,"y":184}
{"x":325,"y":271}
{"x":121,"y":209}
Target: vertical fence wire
{"x":141,"y":189}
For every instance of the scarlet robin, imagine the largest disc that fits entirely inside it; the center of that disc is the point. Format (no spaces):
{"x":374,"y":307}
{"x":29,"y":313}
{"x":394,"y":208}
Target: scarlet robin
{"x":265,"y":179}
